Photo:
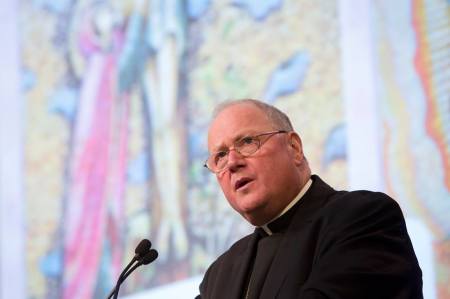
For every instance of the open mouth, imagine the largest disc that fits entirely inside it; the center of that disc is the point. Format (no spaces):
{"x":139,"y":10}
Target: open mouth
{"x":241,"y":183}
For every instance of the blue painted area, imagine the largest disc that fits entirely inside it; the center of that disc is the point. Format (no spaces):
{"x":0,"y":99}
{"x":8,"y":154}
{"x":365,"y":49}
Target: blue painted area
{"x":134,"y":54}
{"x":139,"y":169}
{"x":51,"y":265}
{"x":28,"y":79}
{"x":53,"y":6}
{"x":196,"y":8}
{"x":288,"y":77}
{"x":258,"y":9}
{"x":64,"y":102}
{"x":197,"y":146}
{"x":335,"y":146}
{"x":104,"y":278}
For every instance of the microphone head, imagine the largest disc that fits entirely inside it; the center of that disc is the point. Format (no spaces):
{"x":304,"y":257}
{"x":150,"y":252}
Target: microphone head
{"x":149,"y":257}
{"x":143,"y":247}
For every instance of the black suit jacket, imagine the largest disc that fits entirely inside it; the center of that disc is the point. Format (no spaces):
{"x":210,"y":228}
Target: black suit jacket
{"x":339,"y":244}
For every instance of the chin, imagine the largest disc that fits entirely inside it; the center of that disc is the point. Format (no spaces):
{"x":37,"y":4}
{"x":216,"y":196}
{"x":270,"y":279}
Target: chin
{"x":254,"y":220}
{"x":251,"y":212}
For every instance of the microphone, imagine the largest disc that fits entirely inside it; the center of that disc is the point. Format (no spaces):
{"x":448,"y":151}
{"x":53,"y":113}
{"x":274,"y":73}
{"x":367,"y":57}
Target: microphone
{"x":141,"y":251}
{"x":147,"y":259}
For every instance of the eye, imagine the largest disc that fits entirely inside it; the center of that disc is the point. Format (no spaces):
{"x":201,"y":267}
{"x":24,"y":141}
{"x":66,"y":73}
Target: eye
{"x":219,"y":156}
{"x":247,"y":140}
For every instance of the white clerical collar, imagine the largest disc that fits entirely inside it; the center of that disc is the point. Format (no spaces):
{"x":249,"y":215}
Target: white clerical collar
{"x":289,"y":206}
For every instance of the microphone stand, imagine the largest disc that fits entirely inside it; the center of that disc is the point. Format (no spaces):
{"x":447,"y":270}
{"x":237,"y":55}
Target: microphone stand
{"x":145,"y":260}
{"x":143,"y":256}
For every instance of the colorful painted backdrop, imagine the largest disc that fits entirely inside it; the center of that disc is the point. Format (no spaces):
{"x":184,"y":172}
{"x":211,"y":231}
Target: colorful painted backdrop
{"x":118,"y":97}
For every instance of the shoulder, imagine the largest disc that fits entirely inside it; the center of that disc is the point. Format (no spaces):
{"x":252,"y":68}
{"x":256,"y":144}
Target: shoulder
{"x":327,"y":200}
{"x":347,"y":201}
{"x":362,"y":208}
{"x":360,"y":199}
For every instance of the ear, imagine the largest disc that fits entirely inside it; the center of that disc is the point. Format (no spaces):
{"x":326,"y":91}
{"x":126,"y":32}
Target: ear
{"x":295,"y":145}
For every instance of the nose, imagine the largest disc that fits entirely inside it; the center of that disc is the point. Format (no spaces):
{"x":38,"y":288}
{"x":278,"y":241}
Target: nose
{"x":235,"y":160}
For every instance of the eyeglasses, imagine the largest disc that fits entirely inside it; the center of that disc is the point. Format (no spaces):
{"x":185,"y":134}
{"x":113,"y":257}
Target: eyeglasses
{"x":246,"y":146}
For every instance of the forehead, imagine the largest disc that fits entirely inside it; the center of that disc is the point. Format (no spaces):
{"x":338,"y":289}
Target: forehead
{"x":234,"y":122}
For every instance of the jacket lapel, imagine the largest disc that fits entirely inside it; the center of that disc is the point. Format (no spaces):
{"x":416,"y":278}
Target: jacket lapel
{"x":296,"y":240}
{"x":234,"y":284}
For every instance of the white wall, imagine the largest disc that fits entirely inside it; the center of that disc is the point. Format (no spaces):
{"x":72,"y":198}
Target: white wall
{"x":12,"y":229}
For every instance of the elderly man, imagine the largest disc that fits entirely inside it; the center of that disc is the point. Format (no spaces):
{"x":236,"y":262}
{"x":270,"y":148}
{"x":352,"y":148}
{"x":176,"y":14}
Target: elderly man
{"x":310,"y":241}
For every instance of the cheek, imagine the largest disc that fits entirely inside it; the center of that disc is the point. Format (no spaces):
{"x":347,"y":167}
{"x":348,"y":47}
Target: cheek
{"x":273,"y":173}
{"x":225,"y":185}
{"x":269,"y":167}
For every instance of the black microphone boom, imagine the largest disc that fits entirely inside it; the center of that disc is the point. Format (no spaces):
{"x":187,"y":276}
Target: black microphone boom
{"x":142,"y":248}
{"x":142,"y":256}
{"x":147,"y":259}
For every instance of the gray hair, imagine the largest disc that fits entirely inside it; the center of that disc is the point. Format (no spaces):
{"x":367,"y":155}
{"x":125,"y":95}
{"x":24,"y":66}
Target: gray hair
{"x":279,"y":119}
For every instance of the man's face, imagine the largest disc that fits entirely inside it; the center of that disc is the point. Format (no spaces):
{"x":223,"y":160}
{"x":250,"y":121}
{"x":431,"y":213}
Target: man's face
{"x":261,"y":185}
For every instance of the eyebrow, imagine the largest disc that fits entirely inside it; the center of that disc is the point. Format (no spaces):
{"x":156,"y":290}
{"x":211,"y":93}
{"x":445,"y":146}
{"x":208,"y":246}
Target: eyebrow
{"x":236,"y":138}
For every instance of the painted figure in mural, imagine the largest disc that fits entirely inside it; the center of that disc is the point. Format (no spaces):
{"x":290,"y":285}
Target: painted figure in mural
{"x":310,"y":241}
{"x":94,"y":212}
{"x":113,"y":54}
{"x":155,"y":44}
{"x":166,"y":39}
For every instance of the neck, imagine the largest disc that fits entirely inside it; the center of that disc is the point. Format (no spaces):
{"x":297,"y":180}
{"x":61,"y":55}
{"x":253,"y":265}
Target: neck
{"x":264,"y":216}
